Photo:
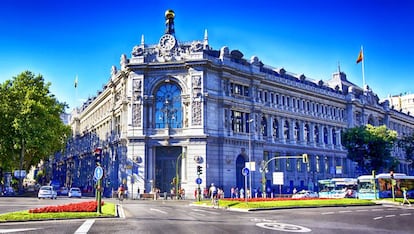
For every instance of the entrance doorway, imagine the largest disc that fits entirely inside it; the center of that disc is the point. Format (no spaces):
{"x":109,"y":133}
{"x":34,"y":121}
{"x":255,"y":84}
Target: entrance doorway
{"x":165,"y":167}
{"x":240,"y":163}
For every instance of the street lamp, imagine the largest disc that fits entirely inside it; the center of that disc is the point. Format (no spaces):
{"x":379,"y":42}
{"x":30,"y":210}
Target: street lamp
{"x":250,"y":158}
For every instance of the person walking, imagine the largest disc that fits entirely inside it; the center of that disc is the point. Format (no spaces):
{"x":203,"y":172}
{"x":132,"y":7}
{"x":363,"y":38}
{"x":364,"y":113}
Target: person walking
{"x":405,"y":197}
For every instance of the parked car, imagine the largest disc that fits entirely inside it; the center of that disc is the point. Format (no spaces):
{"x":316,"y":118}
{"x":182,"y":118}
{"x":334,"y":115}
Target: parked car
{"x":63,"y":191}
{"x":75,"y":192}
{"x":8,"y":191}
{"x":305,"y":194}
{"x":47,"y":192}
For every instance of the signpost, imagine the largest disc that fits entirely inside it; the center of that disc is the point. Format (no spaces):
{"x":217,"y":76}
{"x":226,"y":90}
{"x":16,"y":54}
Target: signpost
{"x":245,"y":173}
{"x":98,"y":173}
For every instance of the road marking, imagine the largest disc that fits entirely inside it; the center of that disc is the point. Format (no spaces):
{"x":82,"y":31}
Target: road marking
{"x":283,"y":227}
{"x":328,"y":213}
{"x":345,"y":211}
{"x":361,"y":210}
{"x":197,"y":214}
{"x":121,"y":212}
{"x":84,"y":228}
{"x":205,"y":211}
{"x":376,"y":218}
{"x":392,"y":209}
{"x":405,"y":214}
{"x":377,"y":209}
{"x":161,"y":211}
{"x":17,"y":230}
{"x":389,"y":216}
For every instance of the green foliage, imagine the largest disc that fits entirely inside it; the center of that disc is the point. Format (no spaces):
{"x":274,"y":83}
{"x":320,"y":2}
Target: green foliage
{"x":406,"y":143}
{"x":370,"y":147}
{"x":30,"y":121}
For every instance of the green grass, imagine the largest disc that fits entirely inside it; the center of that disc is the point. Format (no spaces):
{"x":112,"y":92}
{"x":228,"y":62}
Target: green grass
{"x":108,"y":210}
{"x":289,"y":203}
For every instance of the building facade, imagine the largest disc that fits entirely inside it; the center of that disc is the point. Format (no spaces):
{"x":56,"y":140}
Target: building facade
{"x":174,"y":106}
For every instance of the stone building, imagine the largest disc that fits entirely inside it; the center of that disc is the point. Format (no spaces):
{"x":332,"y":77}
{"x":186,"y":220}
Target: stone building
{"x":174,"y":106}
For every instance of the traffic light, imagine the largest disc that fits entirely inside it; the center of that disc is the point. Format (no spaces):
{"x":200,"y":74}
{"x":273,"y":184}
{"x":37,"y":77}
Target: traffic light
{"x":199,"y":170}
{"x":305,"y":158}
{"x":98,"y":155}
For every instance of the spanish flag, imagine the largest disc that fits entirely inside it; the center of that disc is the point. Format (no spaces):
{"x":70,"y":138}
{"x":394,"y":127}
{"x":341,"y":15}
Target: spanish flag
{"x":360,"y":56}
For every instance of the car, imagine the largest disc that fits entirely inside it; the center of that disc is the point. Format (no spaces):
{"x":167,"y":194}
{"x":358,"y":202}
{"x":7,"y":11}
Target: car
{"x":47,"y":192}
{"x":305,"y":194}
{"x":63,"y":191}
{"x":75,"y":192}
{"x":8,"y":191}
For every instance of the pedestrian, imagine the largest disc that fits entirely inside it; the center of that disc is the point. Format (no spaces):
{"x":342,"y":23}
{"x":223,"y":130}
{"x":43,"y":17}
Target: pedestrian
{"x":213,"y":191}
{"x":241,"y":193}
{"x":405,"y":197}
{"x":232,"y":192}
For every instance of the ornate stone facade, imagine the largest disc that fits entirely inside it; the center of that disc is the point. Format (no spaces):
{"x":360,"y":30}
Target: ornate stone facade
{"x":173,"y":107}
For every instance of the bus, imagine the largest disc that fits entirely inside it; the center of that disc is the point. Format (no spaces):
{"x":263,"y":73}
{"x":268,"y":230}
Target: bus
{"x":338,"y":188}
{"x":381,"y":187}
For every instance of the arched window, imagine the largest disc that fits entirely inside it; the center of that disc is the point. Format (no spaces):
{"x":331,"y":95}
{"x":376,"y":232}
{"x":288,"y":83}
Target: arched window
{"x":325,"y":135}
{"x":168,"y":110}
{"x":333,"y":136}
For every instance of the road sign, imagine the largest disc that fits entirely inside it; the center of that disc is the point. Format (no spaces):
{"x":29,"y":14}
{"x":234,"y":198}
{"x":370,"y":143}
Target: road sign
{"x":98,"y":173}
{"x":245,"y":171}
{"x":198,"y":181}
{"x":19,"y":173}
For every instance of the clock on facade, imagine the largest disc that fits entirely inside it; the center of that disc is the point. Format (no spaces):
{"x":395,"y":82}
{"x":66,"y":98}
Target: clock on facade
{"x":167,"y":42}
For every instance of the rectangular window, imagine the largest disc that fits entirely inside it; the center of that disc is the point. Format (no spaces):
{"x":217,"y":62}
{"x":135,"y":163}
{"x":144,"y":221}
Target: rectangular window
{"x":299,"y":165}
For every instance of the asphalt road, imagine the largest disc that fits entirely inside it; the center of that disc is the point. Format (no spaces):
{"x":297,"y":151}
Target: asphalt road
{"x":180,"y":217}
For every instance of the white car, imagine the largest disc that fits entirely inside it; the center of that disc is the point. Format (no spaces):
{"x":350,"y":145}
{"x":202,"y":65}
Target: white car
{"x":47,"y":192}
{"x":75,"y":192}
{"x":305,"y":194}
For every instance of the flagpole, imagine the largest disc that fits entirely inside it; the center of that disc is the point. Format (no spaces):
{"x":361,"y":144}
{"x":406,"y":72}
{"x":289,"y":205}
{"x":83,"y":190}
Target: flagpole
{"x":363,"y":68}
{"x":76,"y":92}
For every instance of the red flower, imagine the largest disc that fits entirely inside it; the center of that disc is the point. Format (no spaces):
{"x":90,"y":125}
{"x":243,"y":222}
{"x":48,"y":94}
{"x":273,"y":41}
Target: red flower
{"x":89,"y":206}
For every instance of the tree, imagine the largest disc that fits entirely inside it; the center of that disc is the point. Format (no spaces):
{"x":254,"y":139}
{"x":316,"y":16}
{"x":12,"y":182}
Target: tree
{"x":370,"y":147}
{"x":406,"y":143}
{"x":30,"y":126}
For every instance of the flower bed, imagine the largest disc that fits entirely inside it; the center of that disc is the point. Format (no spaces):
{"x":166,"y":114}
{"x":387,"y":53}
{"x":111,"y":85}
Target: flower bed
{"x":90,"y":206}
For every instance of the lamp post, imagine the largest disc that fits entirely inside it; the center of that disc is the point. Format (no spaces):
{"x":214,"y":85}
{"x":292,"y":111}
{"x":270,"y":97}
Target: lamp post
{"x":250,"y":158}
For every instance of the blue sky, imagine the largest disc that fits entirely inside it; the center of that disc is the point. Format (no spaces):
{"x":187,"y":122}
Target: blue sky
{"x":68,"y":38}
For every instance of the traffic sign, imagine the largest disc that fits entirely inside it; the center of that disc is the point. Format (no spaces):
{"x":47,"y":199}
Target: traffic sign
{"x":245,"y":171}
{"x":98,"y":173}
{"x":198,"y":181}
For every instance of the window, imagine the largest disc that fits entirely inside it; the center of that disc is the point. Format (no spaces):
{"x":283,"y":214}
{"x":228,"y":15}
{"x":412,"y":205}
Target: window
{"x":307,"y":138}
{"x":316,"y":133}
{"x":333,"y":136}
{"x":286,"y":132}
{"x":264,"y":126}
{"x":325,"y":135}
{"x":275,"y":128}
{"x":318,"y":168}
{"x":297,"y":132}
{"x":168,"y":111}
{"x":277,"y":162}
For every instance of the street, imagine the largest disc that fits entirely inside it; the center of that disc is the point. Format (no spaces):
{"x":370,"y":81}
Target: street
{"x":148,"y":216}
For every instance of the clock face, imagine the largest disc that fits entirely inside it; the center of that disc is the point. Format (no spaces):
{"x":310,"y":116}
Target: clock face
{"x":167,"y":42}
